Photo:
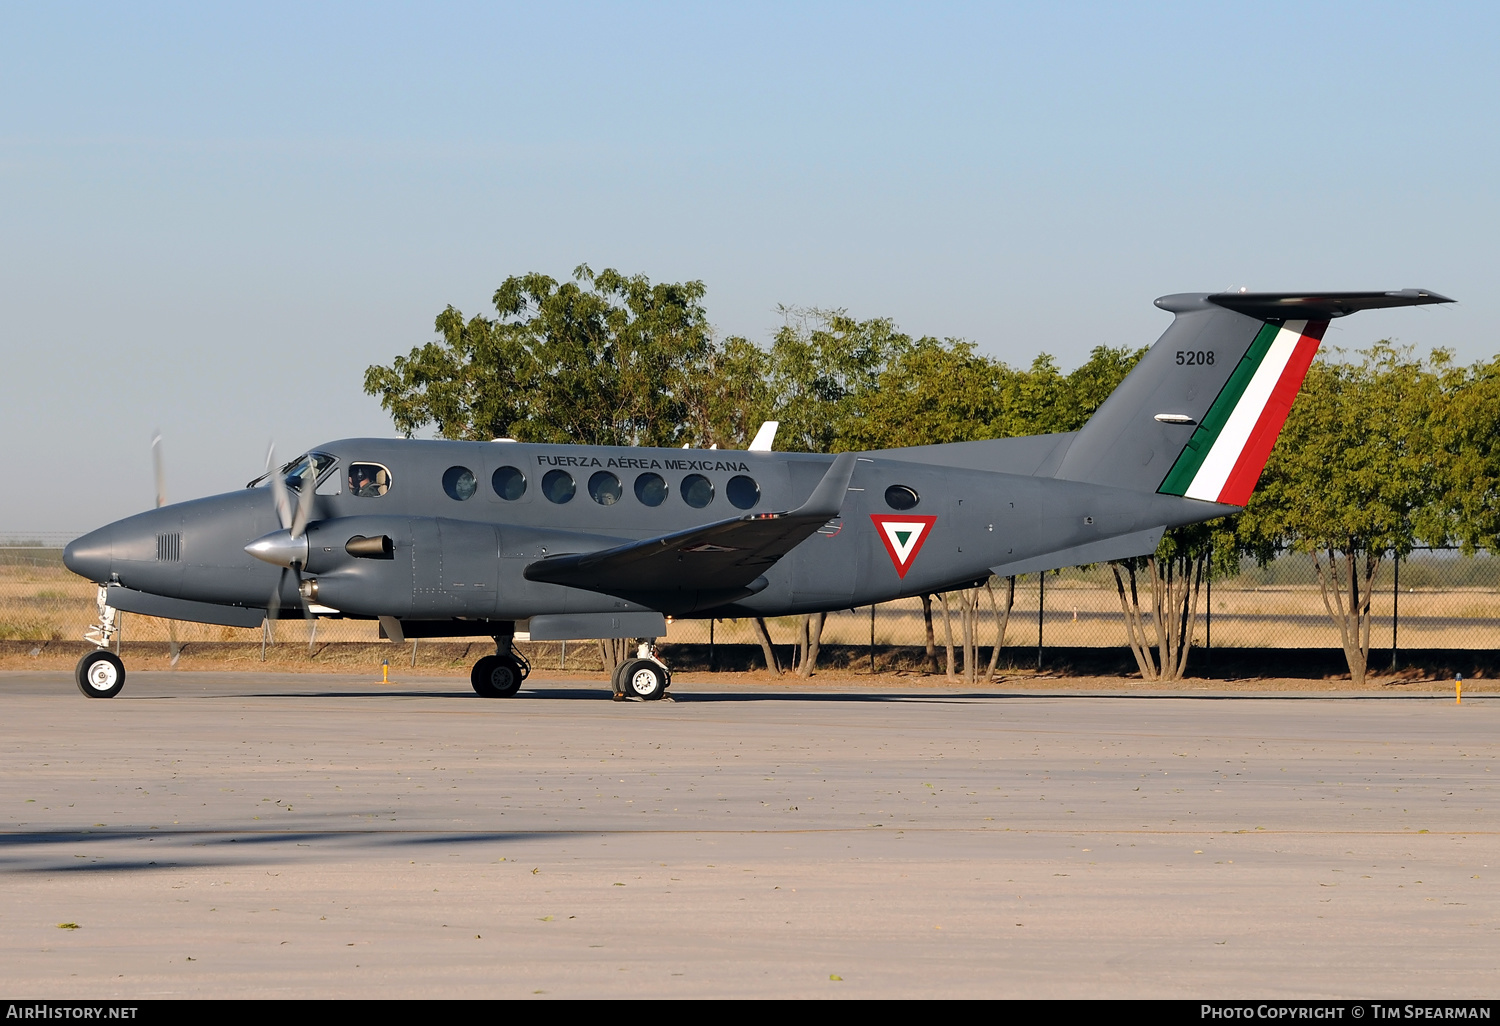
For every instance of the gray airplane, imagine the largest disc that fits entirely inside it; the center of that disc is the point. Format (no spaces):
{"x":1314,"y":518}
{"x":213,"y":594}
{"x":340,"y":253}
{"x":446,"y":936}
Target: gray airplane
{"x":480,"y":539}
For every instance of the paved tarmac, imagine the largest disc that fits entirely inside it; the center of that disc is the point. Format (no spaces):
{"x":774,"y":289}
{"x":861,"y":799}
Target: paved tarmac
{"x":249,"y":835}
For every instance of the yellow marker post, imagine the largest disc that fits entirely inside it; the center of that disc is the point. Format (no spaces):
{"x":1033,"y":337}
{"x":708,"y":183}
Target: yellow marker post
{"x":385,"y":671}
{"x":1458,"y":689}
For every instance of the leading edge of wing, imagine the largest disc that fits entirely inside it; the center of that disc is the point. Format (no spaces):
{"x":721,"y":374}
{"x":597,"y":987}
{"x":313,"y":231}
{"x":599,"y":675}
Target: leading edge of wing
{"x":719,"y":560}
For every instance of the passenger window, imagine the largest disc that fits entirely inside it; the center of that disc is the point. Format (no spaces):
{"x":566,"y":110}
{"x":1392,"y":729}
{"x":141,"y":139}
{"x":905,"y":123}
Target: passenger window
{"x":604,"y":488}
{"x":509,"y":483}
{"x":368,"y":480}
{"x":651,"y":489}
{"x":901,"y":497}
{"x":743,"y":492}
{"x":558,"y":486}
{"x":697,"y":491}
{"x":459,"y":483}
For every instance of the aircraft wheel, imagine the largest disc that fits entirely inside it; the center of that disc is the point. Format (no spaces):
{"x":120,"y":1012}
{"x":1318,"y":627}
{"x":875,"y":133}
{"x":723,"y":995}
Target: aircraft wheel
{"x":645,"y":679}
{"x":496,"y":677}
{"x":100,"y":674}
{"x":617,"y":678}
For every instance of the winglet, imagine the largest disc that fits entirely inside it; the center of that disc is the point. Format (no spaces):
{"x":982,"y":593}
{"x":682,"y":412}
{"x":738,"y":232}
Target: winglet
{"x":827,"y":499}
{"x":765,"y":436}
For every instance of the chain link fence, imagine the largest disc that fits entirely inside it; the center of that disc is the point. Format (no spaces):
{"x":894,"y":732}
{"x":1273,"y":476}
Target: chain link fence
{"x":1434,"y":600}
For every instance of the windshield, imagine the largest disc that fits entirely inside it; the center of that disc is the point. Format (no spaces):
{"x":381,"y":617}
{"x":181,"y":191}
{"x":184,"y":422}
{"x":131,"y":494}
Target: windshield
{"x":307,"y":467}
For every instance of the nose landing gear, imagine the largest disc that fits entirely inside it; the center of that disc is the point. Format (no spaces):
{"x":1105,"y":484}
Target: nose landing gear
{"x":100,"y":673}
{"x":644,"y":677}
{"x":500,"y":675}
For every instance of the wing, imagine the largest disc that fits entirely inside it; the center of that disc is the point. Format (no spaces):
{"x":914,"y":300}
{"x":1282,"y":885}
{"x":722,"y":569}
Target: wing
{"x":704,"y":566}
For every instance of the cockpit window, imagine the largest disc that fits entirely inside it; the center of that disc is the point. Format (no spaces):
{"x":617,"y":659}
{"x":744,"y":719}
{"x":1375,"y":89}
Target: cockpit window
{"x":309,"y":466}
{"x":306,"y":468}
{"x":368,"y":480}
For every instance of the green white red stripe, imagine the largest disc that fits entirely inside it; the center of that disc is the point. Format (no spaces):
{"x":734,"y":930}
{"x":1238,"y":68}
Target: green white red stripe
{"x":1225,"y":456}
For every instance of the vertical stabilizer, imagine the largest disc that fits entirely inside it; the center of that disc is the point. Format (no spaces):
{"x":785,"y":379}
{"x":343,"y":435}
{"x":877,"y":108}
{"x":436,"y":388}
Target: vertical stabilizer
{"x":1199,"y":415}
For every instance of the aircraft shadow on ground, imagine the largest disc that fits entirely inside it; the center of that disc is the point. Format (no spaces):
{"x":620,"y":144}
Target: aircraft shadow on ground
{"x":835,"y":697}
{"x":25,"y":852}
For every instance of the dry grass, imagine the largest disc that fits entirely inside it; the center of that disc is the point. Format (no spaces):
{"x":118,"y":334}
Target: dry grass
{"x":41,"y":601}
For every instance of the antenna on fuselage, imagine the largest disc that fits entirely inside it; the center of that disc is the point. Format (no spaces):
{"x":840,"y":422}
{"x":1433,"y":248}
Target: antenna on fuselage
{"x":765,"y":436}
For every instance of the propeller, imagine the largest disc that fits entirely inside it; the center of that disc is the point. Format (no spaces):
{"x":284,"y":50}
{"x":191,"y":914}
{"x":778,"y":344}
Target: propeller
{"x":288,"y":548}
{"x":161,"y":500}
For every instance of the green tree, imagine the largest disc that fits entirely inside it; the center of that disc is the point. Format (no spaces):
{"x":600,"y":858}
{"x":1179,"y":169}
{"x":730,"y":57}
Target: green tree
{"x":471,"y":384}
{"x":1355,"y":477}
{"x":1466,"y":431}
{"x":605,"y":359}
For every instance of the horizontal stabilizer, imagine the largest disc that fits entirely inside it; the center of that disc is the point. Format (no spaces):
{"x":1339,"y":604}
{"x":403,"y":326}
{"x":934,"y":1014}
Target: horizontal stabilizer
{"x":702,"y":566}
{"x":1125,"y":546}
{"x":130,"y":601}
{"x":1319,"y":306}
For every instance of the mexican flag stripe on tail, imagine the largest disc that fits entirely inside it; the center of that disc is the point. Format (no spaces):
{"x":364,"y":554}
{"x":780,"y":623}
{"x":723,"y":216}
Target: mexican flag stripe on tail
{"x":1224,"y":458}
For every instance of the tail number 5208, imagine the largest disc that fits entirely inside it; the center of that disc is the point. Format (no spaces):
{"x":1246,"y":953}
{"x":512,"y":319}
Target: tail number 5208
{"x":1197,"y":357}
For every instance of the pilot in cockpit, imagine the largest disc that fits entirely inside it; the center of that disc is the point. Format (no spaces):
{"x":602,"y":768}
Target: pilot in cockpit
{"x":368,"y":480}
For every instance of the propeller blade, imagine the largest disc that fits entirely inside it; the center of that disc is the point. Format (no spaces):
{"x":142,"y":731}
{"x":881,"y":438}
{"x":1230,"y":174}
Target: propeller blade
{"x":273,"y":606}
{"x":161,"y":480}
{"x":304,"y":510}
{"x":161,"y":500}
{"x":278,"y":489}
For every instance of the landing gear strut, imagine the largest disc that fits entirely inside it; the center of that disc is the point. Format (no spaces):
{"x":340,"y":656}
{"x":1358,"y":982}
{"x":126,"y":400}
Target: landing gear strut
{"x":500,"y":675}
{"x":100,"y":673}
{"x":644,"y":676}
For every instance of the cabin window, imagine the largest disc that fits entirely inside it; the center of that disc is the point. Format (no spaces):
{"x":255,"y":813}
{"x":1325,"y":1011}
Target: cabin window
{"x":459,"y":483}
{"x":697,"y":491}
{"x":368,"y":480}
{"x":604,"y":488}
{"x":558,"y":486}
{"x":651,"y":489}
{"x":901,"y":497}
{"x":509,"y":483}
{"x":743,"y":492}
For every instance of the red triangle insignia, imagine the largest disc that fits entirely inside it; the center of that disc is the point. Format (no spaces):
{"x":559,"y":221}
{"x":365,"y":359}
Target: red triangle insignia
{"x":903,"y":535}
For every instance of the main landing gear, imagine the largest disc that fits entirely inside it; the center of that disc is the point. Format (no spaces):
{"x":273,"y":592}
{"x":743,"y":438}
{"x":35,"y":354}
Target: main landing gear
{"x":644,"y":677}
{"x":500,"y":675}
{"x":100,"y":674}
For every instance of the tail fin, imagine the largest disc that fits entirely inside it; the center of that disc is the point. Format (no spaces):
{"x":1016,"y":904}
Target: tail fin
{"x":1198,"y":416}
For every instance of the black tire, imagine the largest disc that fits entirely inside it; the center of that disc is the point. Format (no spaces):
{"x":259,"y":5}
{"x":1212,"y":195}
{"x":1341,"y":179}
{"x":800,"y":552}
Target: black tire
{"x":617,"y":678}
{"x":645,"y":679}
{"x":496,"y":677}
{"x":100,"y":674}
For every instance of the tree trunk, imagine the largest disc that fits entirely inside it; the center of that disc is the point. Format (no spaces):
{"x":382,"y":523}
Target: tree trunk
{"x":764,"y":637}
{"x":1346,"y":596}
{"x":614,"y":651}
{"x":947,"y":636}
{"x":812,"y":626}
{"x":1002,"y":620}
{"x":1173,"y":612}
{"x":931,"y":639}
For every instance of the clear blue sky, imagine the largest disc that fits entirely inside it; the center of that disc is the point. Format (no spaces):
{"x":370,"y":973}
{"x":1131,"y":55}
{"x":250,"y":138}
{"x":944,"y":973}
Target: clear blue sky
{"x":213,"y":218}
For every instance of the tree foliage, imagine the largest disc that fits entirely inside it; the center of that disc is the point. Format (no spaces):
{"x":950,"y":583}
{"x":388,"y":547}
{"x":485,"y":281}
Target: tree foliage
{"x":1355,"y":479}
{"x":604,"y":359}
